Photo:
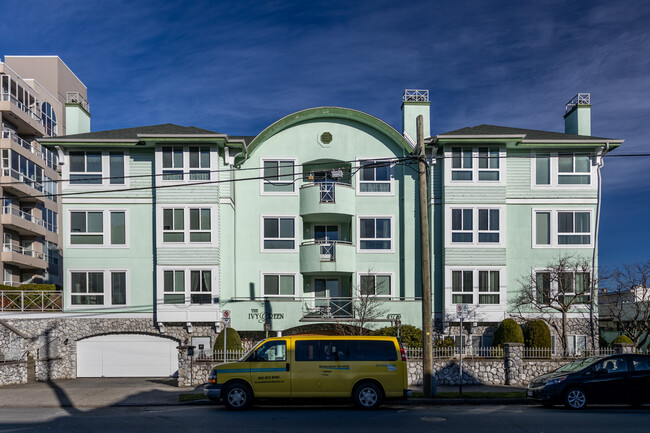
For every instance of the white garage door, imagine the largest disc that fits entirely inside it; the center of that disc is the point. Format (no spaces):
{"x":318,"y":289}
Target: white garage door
{"x":127,"y":355}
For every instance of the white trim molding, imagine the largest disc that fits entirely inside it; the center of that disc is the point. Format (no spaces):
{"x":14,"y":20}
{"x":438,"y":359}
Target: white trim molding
{"x":390,"y":182}
{"x":214,"y":225}
{"x":107,"y":288}
{"x":297,"y":228}
{"x":475,"y":161}
{"x":295,"y":181}
{"x":392,"y":238}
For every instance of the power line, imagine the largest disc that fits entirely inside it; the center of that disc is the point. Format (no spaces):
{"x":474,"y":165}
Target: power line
{"x":386,"y":159}
{"x":193,"y":183}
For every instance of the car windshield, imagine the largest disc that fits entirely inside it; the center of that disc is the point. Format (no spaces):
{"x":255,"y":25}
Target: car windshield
{"x":577,"y":365}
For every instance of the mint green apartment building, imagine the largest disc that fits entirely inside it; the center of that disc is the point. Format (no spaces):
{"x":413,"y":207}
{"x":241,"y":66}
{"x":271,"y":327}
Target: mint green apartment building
{"x":166,"y":227}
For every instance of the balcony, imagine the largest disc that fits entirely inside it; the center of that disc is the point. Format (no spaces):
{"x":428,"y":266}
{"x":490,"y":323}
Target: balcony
{"x":22,"y":222}
{"x":50,"y":158}
{"x":23,"y":257}
{"x":328,"y":309}
{"x":31,"y":301}
{"x":21,"y":185}
{"x":327,"y":198}
{"x":21,"y":113}
{"x":331,"y":256}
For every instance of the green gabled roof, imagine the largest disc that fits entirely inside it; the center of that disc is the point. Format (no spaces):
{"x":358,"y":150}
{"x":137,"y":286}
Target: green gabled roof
{"x":528,"y":134}
{"x":137,"y":133}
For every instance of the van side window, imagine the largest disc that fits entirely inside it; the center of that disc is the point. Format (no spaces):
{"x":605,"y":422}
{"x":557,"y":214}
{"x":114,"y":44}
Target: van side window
{"x":372,"y":350}
{"x":271,"y":352}
{"x":334,"y":350}
{"x":306,"y":350}
{"x":345,"y":350}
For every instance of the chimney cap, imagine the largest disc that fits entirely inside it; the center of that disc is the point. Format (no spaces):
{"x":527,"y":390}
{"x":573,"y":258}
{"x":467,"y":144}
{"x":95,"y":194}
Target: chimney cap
{"x":579,"y":99}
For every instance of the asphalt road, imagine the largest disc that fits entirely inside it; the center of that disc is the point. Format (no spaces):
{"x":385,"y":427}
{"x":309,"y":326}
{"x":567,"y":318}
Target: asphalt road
{"x":262,"y":419}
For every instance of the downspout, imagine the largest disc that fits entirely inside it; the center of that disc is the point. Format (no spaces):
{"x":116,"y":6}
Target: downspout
{"x":599,"y":165}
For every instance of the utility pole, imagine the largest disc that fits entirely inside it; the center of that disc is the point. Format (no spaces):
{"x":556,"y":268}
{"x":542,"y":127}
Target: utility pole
{"x":427,"y":342}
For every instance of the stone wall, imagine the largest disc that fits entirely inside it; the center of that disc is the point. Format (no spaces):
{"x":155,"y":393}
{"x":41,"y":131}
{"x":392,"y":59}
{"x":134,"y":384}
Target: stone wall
{"x":13,"y":372}
{"x":53,"y":341}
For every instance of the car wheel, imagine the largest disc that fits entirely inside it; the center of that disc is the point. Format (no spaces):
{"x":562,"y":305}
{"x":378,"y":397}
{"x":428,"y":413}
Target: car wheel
{"x":367,"y":396}
{"x":237,"y":396}
{"x":575,"y":398}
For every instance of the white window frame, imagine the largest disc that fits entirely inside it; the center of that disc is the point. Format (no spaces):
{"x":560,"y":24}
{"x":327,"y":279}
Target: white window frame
{"x":106,"y":226}
{"x":160,"y":292}
{"x":555,"y":289}
{"x":574,"y":338}
{"x":214,"y":222}
{"x":501,"y":306}
{"x":106,"y":272}
{"x":475,"y":227}
{"x":105,"y":174}
{"x":392,"y":235}
{"x":554,"y":172}
{"x":279,"y":274}
{"x":295,"y":181}
{"x":212,"y":170}
{"x":390,"y":182}
{"x":295,"y":234}
{"x":554,"y":228}
{"x":448,"y":154}
{"x":391,"y":275}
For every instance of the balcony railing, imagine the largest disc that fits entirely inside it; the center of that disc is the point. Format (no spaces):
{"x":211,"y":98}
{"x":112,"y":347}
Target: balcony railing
{"x":50,"y":158}
{"x":23,"y":178}
{"x":31,"y":300}
{"x":76,"y":98}
{"x":10,"y":248}
{"x":6,"y":96}
{"x":10,"y":210}
{"x":329,"y":308}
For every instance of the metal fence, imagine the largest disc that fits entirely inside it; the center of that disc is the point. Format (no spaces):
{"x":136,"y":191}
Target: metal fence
{"x":496,"y":352}
{"x":31,"y":300}
{"x":218,"y":355}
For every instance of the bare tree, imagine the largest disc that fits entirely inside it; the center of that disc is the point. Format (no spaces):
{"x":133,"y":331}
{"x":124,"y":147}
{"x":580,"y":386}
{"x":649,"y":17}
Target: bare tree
{"x":366,"y":307}
{"x":562,"y":287}
{"x":627,"y":301}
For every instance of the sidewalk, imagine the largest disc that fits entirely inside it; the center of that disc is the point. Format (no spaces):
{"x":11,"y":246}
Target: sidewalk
{"x":94,"y":392}
{"x":105,"y":392}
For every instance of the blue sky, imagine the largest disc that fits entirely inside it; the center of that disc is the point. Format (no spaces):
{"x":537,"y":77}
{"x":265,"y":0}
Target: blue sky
{"x":237,"y":66}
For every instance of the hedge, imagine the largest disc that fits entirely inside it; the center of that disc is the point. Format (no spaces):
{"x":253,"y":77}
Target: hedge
{"x":537,"y":334}
{"x":508,"y":331}
{"x":623,"y":339}
{"x":411,"y":336}
{"x":233,"y":341}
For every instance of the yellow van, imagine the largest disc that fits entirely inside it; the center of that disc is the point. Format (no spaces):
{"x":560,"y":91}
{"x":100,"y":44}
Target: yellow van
{"x":366,"y":369}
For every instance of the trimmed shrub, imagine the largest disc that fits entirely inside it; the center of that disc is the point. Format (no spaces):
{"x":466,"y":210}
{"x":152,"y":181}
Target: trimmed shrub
{"x":34,"y":286}
{"x":411,"y":336}
{"x":623,"y":339}
{"x":537,"y":334}
{"x":508,"y":331}
{"x":444,"y":342}
{"x":233,"y":341}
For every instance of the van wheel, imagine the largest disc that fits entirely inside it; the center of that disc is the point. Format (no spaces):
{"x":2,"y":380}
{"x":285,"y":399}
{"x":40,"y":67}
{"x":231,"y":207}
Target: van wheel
{"x":575,"y":398}
{"x":237,"y":396}
{"x":367,"y":396}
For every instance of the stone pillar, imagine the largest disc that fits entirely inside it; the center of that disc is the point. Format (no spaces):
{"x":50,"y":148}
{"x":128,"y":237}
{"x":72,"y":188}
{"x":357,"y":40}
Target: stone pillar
{"x":184,"y":370}
{"x":514,"y":363}
{"x":624,"y":347}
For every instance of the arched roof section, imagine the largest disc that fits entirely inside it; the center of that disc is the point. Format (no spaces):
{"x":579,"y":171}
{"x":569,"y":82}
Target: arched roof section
{"x":324,"y":113}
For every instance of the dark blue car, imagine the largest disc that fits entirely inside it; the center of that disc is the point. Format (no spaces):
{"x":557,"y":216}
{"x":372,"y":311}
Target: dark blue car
{"x":612,"y":379}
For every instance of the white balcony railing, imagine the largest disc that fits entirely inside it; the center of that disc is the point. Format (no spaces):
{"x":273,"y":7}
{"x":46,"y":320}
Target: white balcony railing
{"x":10,"y":210}
{"x":6,"y":96}
{"x":76,"y":98}
{"x":50,"y":158}
{"x":22,"y":178}
{"x":31,"y":252}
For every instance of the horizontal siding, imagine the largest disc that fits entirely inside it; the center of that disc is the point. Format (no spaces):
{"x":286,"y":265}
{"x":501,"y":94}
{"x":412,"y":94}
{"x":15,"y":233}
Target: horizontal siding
{"x":475,"y":194}
{"x":475,"y":256}
{"x":187,"y":256}
{"x":189,"y":194}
